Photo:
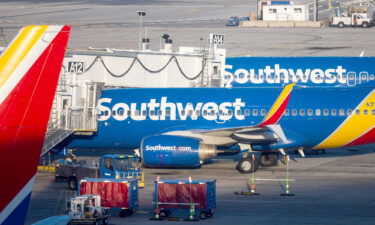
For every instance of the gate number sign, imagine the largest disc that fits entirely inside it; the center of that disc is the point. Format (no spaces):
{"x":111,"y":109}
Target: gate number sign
{"x":75,"y":67}
{"x":217,"y":39}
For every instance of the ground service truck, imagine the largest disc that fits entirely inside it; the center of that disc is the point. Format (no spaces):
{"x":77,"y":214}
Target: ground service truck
{"x":110,"y":166}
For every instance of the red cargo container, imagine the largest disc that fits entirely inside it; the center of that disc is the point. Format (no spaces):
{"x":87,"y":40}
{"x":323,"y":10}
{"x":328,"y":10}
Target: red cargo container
{"x":114,"y":193}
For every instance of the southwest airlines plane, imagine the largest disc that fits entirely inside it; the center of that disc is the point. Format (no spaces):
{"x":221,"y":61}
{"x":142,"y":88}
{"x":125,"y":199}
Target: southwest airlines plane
{"x":181,"y":127}
{"x":29,"y":72}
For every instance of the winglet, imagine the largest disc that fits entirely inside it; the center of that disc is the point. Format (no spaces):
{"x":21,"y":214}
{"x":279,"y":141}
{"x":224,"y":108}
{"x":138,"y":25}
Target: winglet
{"x":278,"y":107}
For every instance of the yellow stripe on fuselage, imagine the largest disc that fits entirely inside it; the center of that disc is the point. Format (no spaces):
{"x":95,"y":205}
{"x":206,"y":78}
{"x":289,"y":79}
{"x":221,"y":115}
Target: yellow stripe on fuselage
{"x":353,"y":127}
{"x":284,"y":94}
{"x":18,"y":49}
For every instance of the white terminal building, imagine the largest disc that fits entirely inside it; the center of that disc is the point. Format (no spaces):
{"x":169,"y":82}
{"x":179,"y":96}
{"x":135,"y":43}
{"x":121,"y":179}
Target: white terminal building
{"x":86,"y":73}
{"x":282,"y":10}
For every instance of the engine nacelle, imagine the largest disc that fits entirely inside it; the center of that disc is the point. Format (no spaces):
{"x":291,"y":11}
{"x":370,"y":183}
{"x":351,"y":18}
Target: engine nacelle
{"x":175,"y":151}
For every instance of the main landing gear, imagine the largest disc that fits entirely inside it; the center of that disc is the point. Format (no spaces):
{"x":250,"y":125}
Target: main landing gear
{"x":250,"y":164}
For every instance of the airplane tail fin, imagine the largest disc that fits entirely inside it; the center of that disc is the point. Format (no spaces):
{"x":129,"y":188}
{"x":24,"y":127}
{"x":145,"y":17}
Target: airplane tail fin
{"x":278,"y":107}
{"x":29,"y":71}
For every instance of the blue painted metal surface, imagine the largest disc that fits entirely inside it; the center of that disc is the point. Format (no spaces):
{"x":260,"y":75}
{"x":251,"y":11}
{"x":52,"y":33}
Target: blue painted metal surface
{"x":308,"y":71}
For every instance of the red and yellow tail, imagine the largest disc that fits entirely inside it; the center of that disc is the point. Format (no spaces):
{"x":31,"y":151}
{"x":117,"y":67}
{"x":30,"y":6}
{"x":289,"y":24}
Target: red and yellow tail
{"x":278,"y":108}
{"x":29,"y":72}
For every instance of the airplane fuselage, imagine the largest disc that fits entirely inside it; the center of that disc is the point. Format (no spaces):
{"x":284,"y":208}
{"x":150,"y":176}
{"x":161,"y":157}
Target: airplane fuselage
{"x":314,"y":118}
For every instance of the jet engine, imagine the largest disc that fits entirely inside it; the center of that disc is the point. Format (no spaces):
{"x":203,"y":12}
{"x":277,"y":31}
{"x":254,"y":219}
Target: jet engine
{"x":175,"y":151}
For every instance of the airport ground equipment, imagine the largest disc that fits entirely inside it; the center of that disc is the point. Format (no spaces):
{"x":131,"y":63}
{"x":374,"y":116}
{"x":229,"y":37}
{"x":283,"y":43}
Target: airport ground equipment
{"x":232,"y":21}
{"x":355,"y":19}
{"x":110,"y":166}
{"x":87,"y":209}
{"x":114,"y":193}
{"x":196,"y":196}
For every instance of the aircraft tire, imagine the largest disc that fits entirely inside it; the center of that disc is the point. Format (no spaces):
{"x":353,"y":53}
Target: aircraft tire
{"x":245,"y":165}
{"x":268,"y":159}
{"x":72,"y":183}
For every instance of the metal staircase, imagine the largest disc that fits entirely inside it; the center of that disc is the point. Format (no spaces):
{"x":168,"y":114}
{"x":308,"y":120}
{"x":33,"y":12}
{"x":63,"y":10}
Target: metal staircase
{"x":54,"y":137}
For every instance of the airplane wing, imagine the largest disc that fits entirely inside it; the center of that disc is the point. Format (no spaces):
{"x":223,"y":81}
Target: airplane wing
{"x":266,"y":132}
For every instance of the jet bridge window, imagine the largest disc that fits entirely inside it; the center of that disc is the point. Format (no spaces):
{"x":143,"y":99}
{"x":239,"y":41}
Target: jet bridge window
{"x":294,"y":112}
{"x":255,"y":112}
{"x":318,"y":112}
{"x":302,"y":112}
{"x":334,"y":112}
{"x":325,"y":112}
{"x":247,"y":112}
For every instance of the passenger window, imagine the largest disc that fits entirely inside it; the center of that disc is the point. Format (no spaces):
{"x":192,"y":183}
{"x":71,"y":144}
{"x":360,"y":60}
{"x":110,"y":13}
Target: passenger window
{"x":247,"y":112}
{"x":255,"y":112}
{"x":183,"y":113}
{"x":114,"y":112}
{"x":286,"y":112}
{"x":144,"y":113}
{"x":121,"y":112}
{"x":129,"y":113}
{"x":342,"y":112}
{"x":309,"y":112}
{"x":325,"y":112}
{"x":349,"y":112}
{"x":106,"y":113}
{"x":302,"y":112}
{"x":294,"y":112}
{"x":334,"y":112}
{"x":357,"y":112}
{"x":239,"y":112}
{"x":190,"y":112}
{"x":168,"y":112}
{"x":318,"y":112}
{"x":229,"y":112}
{"x":373,"y":112}
{"x":263,"y":112}
{"x":160,"y":112}
{"x":204,"y":113}
{"x":198,"y":112}
{"x":365,"y":112}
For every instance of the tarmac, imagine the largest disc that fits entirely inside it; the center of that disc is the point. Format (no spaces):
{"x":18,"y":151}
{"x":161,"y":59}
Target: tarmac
{"x":335,"y":188}
{"x":332,"y":188}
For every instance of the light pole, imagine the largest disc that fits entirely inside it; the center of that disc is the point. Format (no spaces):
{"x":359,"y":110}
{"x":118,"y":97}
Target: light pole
{"x":141,"y":14}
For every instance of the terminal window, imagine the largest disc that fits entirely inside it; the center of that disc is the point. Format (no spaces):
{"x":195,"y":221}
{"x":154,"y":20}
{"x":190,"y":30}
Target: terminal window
{"x":272,"y":11}
{"x":297,"y":10}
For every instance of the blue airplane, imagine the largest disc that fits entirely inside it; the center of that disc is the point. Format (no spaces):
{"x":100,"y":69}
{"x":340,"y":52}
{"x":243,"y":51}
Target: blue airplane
{"x":182,"y":127}
{"x":307,"y":71}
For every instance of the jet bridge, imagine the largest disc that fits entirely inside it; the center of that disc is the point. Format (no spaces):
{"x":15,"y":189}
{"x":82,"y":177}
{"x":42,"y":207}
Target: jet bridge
{"x":86,"y":72}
